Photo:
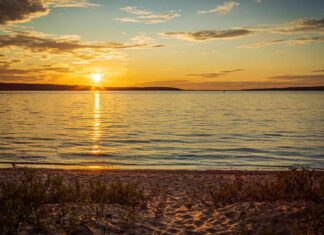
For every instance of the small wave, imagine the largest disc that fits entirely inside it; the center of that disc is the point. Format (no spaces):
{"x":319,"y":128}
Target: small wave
{"x":273,"y":134}
{"x":77,"y":155}
{"x":41,"y":139}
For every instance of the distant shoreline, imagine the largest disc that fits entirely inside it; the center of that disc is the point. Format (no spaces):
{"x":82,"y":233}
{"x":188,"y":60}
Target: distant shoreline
{"x":140,"y":168}
{"x":55,"y":87}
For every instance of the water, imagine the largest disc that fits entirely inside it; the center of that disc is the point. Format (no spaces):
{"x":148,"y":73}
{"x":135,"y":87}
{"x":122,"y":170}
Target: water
{"x":174,"y":130}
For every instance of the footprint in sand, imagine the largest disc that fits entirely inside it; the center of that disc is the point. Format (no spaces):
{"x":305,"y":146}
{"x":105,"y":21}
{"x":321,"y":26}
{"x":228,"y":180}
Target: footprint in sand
{"x":186,"y":216}
{"x":198,"y":223}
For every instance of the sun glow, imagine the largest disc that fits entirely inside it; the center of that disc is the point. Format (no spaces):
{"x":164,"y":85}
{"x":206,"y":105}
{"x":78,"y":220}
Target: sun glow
{"x":96,"y":77}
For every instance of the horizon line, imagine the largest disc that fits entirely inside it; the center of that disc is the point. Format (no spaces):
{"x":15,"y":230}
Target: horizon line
{"x":64,"y":87}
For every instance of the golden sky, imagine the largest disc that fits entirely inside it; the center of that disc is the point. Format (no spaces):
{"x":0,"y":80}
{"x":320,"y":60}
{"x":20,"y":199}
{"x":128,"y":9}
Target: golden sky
{"x":189,"y":44}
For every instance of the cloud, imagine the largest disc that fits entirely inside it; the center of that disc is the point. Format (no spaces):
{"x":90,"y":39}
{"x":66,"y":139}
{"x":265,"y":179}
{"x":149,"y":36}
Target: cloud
{"x":214,"y":75}
{"x":206,"y":75}
{"x":298,"y":77}
{"x":263,"y":43}
{"x":34,"y":74}
{"x":147,"y":16}
{"x":19,"y":11}
{"x":69,"y":50}
{"x":305,"y":40}
{"x":71,"y":3}
{"x":290,"y":42}
{"x":223,"y":9}
{"x":9,"y":71}
{"x":309,"y":25}
{"x":143,"y":39}
{"x":136,"y":11}
{"x":4,"y":64}
{"x":204,"y":35}
{"x":39,"y":42}
{"x":232,"y":71}
{"x":299,"y":26}
{"x":318,"y":71}
{"x":15,"y":61}
{"x":313,"y":29}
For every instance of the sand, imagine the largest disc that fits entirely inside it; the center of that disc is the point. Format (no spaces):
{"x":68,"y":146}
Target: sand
{"x":182,"y":214}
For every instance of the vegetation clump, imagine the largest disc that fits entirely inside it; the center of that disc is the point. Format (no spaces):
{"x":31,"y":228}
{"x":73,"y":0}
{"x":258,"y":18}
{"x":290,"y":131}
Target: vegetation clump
{"x":289,"y":186}
{"x":24,"y":201}
{"x":295,"y":184}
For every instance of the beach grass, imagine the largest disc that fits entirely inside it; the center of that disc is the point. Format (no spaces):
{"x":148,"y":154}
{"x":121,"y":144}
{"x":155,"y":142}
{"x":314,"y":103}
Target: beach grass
{"x":22,"y":200}
{"x":35,"y":202}
{"x":295,"y":184}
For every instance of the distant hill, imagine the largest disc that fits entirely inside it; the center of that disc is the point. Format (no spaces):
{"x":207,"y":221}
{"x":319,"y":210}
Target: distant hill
{"x":313,"y":88}
{"x":53,"y":87}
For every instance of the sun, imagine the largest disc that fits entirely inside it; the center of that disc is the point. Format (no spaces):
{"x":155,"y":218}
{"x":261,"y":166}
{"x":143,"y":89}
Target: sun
{"x":96,"y":77}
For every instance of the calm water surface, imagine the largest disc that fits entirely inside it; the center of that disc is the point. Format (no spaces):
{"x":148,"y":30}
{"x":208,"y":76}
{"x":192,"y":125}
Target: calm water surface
{"x":195,"y":130}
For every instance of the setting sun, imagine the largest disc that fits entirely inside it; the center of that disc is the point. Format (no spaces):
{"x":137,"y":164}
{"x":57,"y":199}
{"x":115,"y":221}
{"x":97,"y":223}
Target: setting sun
{"x":96,"y":77}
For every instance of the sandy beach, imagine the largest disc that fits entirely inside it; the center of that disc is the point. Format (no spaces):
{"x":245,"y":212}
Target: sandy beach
{"x":179,"y":207}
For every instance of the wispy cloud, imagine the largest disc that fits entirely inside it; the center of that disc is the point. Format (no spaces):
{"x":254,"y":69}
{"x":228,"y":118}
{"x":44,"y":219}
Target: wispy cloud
{"x":214,"y":75}
{"x":71,"y":3}
{"x":143,"y":39}
{"x":223,"y":9}
{"x":205,"y":75}
{"x":68,"y":48}
{"x":232,"y":71}
{"x":263,"y":43}
{"x":290,"y":42}
{"x":299,"y":77}
{"x":299,"y":26}
{"x":146,"y":16}
{"x":31,"y":74}
{"x":318,"y":71}
{"x":136,"y":11}
{"x":308,"y":25}
{"x":204,"y":35}
{"x":312,"y":30}
{"x":36,"y":41}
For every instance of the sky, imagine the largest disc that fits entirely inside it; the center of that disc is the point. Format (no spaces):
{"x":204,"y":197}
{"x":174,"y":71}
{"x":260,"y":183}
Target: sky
{"x":189,"y":44}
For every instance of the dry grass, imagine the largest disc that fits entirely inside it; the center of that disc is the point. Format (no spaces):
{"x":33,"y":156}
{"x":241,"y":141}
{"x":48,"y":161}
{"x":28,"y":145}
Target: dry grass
{"x":23,"y":201}
{"x":43,"y":204}
{"x":293,"y":185}
{"x":305,"y":222}
{"x":296,"y":184}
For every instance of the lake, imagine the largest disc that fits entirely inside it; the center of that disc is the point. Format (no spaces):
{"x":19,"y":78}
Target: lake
{"x":163,"y":130}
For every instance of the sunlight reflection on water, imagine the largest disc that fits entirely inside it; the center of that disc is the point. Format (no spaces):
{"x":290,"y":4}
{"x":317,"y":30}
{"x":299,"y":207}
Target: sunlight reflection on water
{"x":96,"y":125}
{"x":186,"y":130}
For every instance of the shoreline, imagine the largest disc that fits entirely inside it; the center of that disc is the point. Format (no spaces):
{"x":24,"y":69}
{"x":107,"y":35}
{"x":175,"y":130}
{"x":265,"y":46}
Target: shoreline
{"x":190,"y":172}
{"x":142,"y":171}
{"x":168,"y":168}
